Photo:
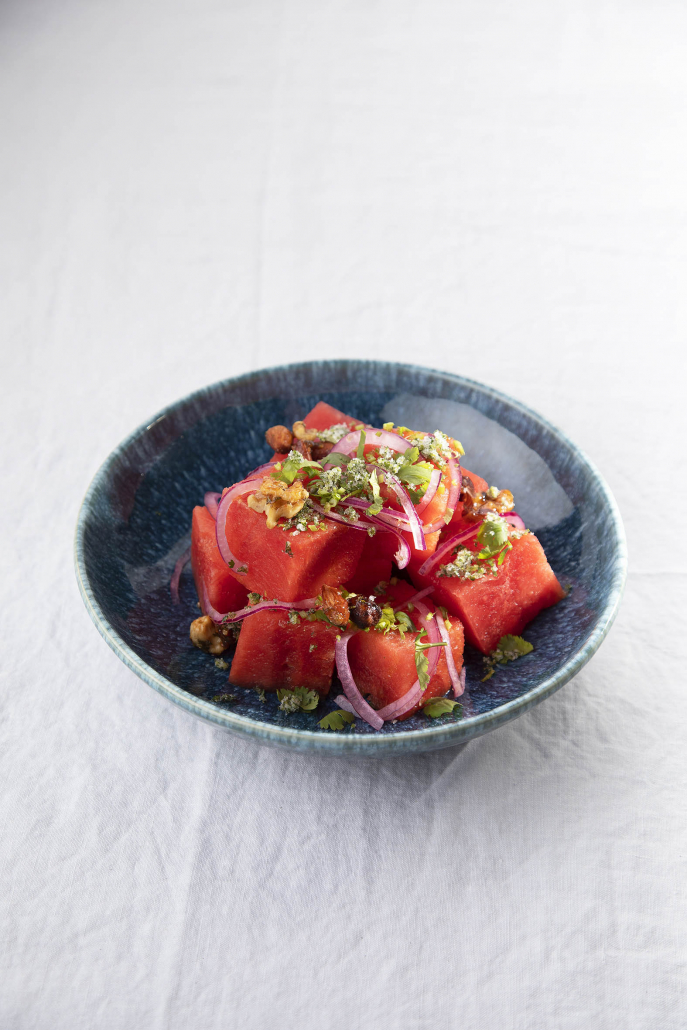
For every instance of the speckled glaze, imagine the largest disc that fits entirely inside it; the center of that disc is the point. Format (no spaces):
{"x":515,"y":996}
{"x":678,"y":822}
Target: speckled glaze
{"x":135,"y":521}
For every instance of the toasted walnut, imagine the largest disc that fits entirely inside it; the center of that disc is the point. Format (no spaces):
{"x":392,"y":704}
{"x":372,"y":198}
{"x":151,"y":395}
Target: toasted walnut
{"x":278,"y":500}
{"x":365,"y":612}
{"x":280,"y":439}
{"x":207,"y":636}
{"x":335,"y":605}
{"x":301,"y":432}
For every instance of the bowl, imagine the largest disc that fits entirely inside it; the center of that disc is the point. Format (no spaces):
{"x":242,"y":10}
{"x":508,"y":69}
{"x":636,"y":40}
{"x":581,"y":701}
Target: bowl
{"x":135,"y":522}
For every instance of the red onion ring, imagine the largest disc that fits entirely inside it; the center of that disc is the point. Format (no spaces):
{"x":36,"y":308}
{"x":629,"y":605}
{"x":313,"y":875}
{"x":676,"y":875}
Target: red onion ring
{"x":448,"y":545}
{"x":429,"y":493}
{"x":456,"y":683}
{"x":403,"y":704}
{"x":416,"y":527}
{"x":176,"y":575}
{"x":268,"y":466}
{"x":360,"y":705}
{"x":462,"y":681}
{"x":513,"y":519}
{"x":374,"y":437}
{"x":234,"y":563}
{"x":416,"y":597}
{"x":456,"y":481}
{"x":335,"y":517}
{"x":402,"y":555}
{"x":280,"y":606}
{"x":389,"y":515}
{"x":211,"y":502}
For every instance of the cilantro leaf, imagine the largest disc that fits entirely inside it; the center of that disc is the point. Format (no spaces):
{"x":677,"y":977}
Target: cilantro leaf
{"x":422,"y":661}
{"x":337,"y":720}
{"x":437,"y":706}
{"x":361,"y":445}
{"x":508,"y":649}
{"x":492,"y":536}
{"x":286,"y":471}
{"x":377,"y":500}
{"x":298,"y":700}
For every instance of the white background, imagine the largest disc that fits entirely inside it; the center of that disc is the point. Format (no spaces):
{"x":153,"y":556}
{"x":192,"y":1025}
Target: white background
{"x":190,"y":190}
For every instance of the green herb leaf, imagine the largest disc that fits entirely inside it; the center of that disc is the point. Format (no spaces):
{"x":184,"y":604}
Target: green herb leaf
{"x":437,"y":706}
{"x":298,"y":699}
{"x":361,"y":445}
{"x":507,"y":650}
{"x":377,"y":500}
{"x":286,"y":471}
{"x":337,"y":720}
{"x":492,"y":536}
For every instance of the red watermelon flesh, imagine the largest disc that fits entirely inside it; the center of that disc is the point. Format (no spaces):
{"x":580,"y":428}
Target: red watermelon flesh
{"x":273,"y":653}
{"x":493,"y":606}
{"x":383,"y":665}
{"x":375,"y":563}
{"x":328,"y":555}
{"x":324,"y":415}
{"x":224,"y":592}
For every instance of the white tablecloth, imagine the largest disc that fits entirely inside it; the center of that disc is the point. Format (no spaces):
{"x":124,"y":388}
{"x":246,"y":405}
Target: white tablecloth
{"x":194,"y":189}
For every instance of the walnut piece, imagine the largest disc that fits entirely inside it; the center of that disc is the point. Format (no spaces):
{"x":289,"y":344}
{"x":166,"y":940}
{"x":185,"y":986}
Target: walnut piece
{"x":278,"y":500}
{"x":335,"y":605}
{"x":206,"y":635}
{"x":280,"y":439}
{"x":301,"y":432}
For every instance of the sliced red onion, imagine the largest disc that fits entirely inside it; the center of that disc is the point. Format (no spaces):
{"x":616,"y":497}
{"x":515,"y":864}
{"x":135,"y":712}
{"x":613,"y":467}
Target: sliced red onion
{"x":408,"y":507}
{"x":456,"y":481}
{"x":267,"y":467}
{"x":343,"y":702}
{"x":211,"y":502}
{"x":513,"y":519}
{"x":335,"y":517}
{"x":234,"y":563}
{"x":462,"y":681}
{"x":446,"y":547}
{"x":176,"y":575}
{"x":263,"y":606}
{"x":456,"y":682}
{"x":402,"y":555}
{"x":394,"y":518}
{"x":416,"y":597}
{"x":399,"y":707}
{"x":375,"y":437}
{"x":429,"y":493}
{"x":358,"y":702}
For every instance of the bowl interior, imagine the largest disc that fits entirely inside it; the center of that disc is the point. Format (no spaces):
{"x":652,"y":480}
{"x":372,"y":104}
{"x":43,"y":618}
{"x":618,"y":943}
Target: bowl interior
{"x":135,"y":522}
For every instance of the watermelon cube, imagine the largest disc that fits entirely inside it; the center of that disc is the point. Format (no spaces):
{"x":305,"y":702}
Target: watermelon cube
{"x":493,"y":606}
{"x":383,"y":665}
{"x":290,"y":565}
{"x":274,"y":652}
{"x":209,"y":568}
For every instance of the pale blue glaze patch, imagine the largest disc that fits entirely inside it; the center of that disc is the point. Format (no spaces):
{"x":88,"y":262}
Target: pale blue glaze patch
{"x":135,"y":521}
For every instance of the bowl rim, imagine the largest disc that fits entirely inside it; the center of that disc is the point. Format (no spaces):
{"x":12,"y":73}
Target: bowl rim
{"x":351,"y":743}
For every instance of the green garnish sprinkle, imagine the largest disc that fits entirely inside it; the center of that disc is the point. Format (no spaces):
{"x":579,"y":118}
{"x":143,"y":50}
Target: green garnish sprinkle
{"x":438,"y":706}
{"x":507,"y":650}
{"x":337,"y":720}
{"x":298,"y":700}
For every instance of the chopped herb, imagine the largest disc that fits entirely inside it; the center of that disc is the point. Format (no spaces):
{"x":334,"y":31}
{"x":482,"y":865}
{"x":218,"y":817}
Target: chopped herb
{"x":224,"y":698}
{"x":261,"y":694}
{"x":298,"y":700}
{"x":438,"y":706}
{"x":361,"y":445}
{"x":221,"y":664}
{"x":337,"y":720}
{"x":313,"y":647}
{"x":507,"y":650}
{"x":334,"y":433}
{"x":254,"y":598}
{"x":422,"y":660}
{"x":288,"y":550}
{"x":286,"y":471}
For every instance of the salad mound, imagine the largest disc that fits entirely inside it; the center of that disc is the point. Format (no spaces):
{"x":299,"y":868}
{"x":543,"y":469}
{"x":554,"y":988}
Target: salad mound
{"x":369,"y":551}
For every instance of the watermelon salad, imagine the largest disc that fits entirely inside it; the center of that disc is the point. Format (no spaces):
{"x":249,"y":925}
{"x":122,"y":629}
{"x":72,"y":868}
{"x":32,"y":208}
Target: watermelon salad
{"x":364,"y":555}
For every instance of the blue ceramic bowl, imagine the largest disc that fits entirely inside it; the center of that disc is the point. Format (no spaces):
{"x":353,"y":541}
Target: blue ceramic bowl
{"x":135,"y":522}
